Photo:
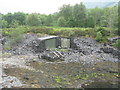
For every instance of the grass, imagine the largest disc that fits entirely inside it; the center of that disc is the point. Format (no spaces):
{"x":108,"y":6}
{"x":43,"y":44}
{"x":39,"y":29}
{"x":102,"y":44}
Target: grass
{"x":60,"y":31}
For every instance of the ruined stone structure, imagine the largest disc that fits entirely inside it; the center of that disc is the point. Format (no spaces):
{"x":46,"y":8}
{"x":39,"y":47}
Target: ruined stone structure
{"x":52,"y":42}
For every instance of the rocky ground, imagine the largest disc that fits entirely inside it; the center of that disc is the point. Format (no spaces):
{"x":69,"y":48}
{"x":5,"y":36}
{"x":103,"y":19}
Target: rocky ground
{"x":90,"y":62}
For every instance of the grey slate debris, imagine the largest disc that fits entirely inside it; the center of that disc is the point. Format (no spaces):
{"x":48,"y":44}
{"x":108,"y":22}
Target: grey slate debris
{"x":81,"y":48}
{"x":9,"y":82}
{"x":52,"y":55}
{"x":111,"y":50}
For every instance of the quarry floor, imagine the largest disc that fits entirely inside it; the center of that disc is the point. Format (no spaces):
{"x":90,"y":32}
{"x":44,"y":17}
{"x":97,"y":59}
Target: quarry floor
{"x":46,"y":74}
{"x":89,"y":69}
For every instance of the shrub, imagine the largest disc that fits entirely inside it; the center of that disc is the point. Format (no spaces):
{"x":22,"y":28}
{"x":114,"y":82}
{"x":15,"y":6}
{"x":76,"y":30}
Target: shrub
{"x":15,"y":36}
{"x":78,"y":32}
{"x":104,"y":31}
{"x":91,"y":32}
{"x":117,"y":44}
{"x":99,"y":36}
{"x":43,"y":30}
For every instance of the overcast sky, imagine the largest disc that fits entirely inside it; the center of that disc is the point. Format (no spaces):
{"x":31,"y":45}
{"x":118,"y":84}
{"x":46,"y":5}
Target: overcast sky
{"x":38,"y":6}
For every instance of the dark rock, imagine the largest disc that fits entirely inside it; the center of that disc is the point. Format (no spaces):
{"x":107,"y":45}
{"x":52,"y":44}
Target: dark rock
{"x":107,"y":49}
{"x":86,"y":45}
{"x":3,"y":40}
{"x":86,"y":52}
{"x":110,"y":50}
{"x":26,"y":78}
{"x":113,"y":39}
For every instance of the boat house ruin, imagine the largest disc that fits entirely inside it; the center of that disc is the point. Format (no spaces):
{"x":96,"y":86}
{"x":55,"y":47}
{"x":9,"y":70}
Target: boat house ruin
{"x":52,"y":42}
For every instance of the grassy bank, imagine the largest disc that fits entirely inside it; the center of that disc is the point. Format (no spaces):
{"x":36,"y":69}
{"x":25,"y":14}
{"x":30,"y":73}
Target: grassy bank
{"x":101,"y":34}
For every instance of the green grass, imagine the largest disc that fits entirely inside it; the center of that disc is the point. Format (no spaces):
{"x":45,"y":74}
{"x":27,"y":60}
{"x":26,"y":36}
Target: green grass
{"x":62,"y":31}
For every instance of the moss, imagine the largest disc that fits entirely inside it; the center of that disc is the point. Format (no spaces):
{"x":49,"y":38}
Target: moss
{"x":57,"y":79}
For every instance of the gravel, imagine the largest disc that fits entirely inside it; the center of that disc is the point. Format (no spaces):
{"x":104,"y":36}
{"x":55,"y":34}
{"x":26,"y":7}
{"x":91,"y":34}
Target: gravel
{"x":9,"y":82}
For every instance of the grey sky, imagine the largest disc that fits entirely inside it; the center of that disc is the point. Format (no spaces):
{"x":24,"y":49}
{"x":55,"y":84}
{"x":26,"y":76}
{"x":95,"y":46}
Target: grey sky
{"x":38,"y":6}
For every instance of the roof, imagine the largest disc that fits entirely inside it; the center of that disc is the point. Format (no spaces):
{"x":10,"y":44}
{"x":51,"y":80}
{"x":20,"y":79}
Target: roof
{"x":46,"y":38}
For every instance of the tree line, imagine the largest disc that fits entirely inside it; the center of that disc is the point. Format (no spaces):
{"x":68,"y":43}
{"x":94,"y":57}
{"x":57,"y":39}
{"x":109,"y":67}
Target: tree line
{"x":68,"y":16}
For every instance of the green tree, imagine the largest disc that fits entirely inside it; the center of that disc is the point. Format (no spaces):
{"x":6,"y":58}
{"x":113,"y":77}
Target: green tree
{"x":66,"y":11}
{"x":118,"y":18}
{"x":14,"y":24}
{"x":61,"y":21}
{"x":33,"y":20}
{"x":79,"y":15}
{"x":96,"y":13}
{"x":0,"y":21}
{"x":4,"y":23}
{"x":9,"y":18}
{"x":42,"y":18}
{"x":112,"y":19}
{"x":49,"y":20}
{"x":90,"y":21}
{"x":20,"y":17}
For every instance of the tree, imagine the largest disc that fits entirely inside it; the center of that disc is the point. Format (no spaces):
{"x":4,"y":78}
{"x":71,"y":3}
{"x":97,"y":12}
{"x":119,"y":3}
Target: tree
{"x":20,"y":17}
{"x":33,"y":20}
{"x":110,"y":18}
{"x":42,"y":18}
{"x":0,"y":21}
{"x":118,"y":18}
{"x":61,"y":21}
{"x":66,"y":11}
{"x":90,"y":19}
{"x":4,"y":23}
{"x":14,"y":24}
{"x":8,"y":17}
{"x":96,"y":13}
{"x":49,"y":20}
{"x":113,"y":19}
{"x":90,"y":22}
{"x":79,"y":15}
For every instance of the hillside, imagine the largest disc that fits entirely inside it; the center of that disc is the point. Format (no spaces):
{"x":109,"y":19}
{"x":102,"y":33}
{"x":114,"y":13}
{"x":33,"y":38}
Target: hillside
{"x":99,"y":4}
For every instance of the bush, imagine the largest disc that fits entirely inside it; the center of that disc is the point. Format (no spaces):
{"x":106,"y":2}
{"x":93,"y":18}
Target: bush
{"x":91,"y":32}
{"x":15,"y":36}
{"x":78,"y":32}
{"x":43,"y":30}
{"x":99,"y":36}
{"x":117,"y":44}
{"x":104,"y":31}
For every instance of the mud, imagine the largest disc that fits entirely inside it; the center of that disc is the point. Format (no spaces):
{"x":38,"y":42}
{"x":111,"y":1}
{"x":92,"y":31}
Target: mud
{"x":66,"y":75}
{"x":81,"y":67}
